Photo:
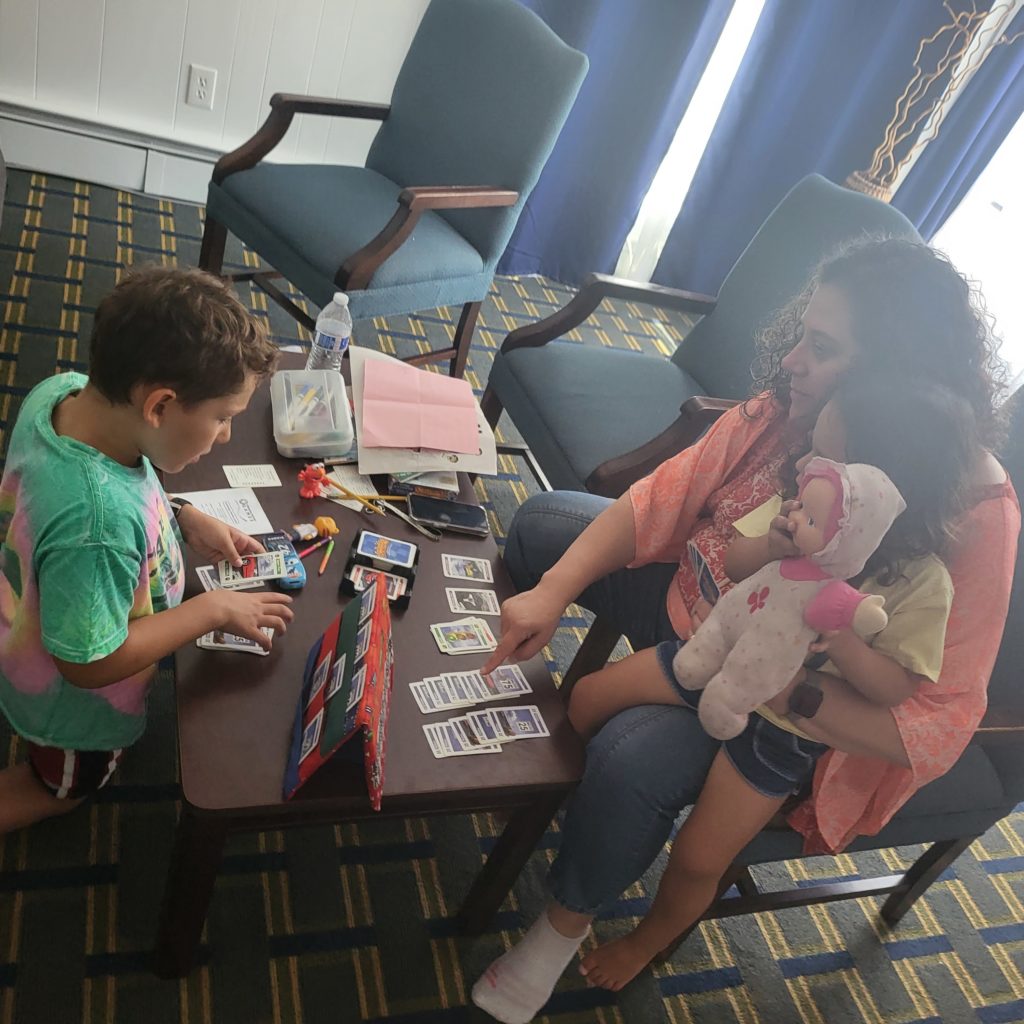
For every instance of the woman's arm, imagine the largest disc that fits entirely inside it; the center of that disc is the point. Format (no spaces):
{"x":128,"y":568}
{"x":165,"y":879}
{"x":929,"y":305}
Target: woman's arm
{"x":529,"y":619}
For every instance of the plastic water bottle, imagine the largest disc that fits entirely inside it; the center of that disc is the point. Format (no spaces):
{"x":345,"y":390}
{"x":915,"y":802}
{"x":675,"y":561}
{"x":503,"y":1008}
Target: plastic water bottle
{"x":333,"y":333}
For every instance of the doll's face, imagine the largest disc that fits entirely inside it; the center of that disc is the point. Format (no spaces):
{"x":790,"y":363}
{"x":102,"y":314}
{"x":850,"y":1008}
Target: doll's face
{"x":808,"y":523}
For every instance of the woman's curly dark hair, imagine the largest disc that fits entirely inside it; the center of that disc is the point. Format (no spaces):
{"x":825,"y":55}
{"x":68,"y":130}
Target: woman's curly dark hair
{"x":915,"y":317}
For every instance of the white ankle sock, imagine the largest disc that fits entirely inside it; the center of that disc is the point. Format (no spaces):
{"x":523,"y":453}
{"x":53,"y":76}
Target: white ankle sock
{"x":521,"y":981}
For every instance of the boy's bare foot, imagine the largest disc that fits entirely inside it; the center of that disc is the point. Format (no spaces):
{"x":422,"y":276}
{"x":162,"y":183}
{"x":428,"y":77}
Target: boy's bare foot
{"x":615,"y":964}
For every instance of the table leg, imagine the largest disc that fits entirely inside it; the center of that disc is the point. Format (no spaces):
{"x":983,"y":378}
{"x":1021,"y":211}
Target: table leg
{"x":523,"y":832}
{"x":198,"y":846}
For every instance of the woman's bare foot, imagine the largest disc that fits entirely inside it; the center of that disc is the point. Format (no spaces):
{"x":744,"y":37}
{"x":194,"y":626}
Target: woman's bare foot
{"x":615,"y":964}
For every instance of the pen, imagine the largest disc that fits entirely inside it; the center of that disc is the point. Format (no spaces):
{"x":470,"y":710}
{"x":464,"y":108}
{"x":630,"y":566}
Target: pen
{"x":327,"y":555}
{"x":312,"y":547}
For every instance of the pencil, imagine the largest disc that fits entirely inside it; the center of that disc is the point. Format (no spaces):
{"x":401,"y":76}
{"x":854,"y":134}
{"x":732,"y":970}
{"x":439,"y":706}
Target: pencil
{"x":352,"y":495}
{"x":312,"y":547}
{"x":327,"y":555}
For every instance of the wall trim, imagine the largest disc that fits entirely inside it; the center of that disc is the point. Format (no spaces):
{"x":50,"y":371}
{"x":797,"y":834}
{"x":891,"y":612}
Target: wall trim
{"x":39,"y":140}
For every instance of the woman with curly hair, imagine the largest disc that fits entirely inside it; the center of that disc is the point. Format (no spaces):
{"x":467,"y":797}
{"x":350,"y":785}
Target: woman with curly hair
{"x":889,"y":308}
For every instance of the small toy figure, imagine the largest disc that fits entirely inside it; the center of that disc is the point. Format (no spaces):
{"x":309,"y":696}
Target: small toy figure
{"x":757,"y":635}
{"x":325,"y":526}
{"x":302,"y":531}
{"x":313,"y":479}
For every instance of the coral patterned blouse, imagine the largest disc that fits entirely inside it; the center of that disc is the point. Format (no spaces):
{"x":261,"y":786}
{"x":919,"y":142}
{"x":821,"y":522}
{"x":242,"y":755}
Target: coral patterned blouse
{"x":852,"y":795}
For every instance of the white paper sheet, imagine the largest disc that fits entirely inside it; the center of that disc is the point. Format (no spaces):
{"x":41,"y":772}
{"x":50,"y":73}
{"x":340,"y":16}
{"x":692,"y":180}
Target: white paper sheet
{"x":236,"y":506}
{"x":404,"y":460}
{"x":252,"y":476}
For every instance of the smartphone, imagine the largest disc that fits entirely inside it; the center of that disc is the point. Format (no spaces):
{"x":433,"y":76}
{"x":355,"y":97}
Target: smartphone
{"x":458,"y":516}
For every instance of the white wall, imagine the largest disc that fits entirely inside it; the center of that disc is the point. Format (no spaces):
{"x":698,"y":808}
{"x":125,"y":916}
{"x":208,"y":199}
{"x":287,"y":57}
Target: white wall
{"x":124,"y":64}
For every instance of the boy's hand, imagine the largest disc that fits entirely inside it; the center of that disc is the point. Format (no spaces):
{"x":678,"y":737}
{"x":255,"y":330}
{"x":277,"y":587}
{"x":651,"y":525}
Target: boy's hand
{"x":244,"y":614}
{"x":213,"y":540}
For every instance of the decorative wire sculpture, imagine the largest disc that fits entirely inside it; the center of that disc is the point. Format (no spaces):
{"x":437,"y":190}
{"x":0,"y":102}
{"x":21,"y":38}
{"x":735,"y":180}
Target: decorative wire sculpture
{"x":945,"y":61}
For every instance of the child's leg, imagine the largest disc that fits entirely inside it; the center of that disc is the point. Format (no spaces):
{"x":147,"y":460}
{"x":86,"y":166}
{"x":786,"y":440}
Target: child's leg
{"x":729,"y":812}
{"x":24,"y":800}
{"x":636,"y":679}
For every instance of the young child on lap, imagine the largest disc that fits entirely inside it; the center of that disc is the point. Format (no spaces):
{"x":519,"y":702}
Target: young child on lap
{"x":774,"y":757}
{"x":91,"y":572}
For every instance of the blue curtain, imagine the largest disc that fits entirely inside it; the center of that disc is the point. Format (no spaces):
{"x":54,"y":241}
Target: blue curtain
{"x":646,"y":58}
{"x":814,"y":92}
{"x":983,"y":114}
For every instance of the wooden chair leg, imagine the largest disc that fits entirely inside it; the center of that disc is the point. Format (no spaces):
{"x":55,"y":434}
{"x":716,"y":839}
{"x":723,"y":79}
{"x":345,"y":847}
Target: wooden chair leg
{"x":921,"y":874}
{"x":211,"y":253}
{"x":491,"y":405}
{"x":593,"y":654}
{"x":464,"y":338}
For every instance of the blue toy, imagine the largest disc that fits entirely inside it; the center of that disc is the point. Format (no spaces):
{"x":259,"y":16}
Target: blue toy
{"x":295,"y":577}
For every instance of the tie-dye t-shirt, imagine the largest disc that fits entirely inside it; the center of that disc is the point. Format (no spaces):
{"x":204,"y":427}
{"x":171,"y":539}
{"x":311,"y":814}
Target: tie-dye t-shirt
{"x":88,"y":545}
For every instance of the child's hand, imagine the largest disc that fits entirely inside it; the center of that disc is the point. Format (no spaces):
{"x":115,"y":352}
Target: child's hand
{"x":213,"y":540}
{"x":244,"y":614}
{"x":780,"y":534}
{"x":824,"y":641}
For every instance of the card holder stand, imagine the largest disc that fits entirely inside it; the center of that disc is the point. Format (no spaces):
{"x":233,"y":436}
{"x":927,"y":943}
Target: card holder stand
{"x":406,"y":572}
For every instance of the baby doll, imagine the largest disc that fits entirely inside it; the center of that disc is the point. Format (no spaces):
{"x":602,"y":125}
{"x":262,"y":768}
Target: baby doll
{"x":756,"y":637}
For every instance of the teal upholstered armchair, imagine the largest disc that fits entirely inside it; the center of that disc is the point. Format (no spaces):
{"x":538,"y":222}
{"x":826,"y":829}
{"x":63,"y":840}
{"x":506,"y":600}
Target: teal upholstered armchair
{"x":476,"y":110}
{"x":596,"y":419}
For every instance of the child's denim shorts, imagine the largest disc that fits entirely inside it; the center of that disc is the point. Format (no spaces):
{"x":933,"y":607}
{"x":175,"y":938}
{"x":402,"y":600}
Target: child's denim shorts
{"x":774,"y":761}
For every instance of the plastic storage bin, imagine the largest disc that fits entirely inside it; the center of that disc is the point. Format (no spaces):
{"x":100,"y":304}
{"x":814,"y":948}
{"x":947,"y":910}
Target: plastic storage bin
{"x":312,"y":418}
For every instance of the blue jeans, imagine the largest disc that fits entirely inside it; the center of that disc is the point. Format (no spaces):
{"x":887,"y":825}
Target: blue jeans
{"x":647,"y":763}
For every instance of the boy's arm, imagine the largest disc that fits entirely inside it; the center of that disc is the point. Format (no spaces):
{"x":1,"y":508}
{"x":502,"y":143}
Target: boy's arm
{"x":153,"y":636}
{"x":875,"y":675}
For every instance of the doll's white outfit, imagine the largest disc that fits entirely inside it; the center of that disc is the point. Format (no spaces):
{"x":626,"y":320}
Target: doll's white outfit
{"x":756,"y":637}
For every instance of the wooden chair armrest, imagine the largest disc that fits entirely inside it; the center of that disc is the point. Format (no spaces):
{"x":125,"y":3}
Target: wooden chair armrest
{"x":358,"y":269}
{"x":1000,"y":726}
{"x":613,"y":478}
{"x":595,"y":288}
{"x":283,"y":107}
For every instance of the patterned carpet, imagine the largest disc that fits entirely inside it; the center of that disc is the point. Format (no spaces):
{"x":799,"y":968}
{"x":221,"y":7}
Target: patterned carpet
{"x":328,"y":926}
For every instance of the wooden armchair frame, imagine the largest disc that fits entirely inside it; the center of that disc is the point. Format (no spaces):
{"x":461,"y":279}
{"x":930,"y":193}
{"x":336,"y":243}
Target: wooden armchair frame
{"x":999,"y":727}
{"x":357,"y":270}
{"x":614,"y":476}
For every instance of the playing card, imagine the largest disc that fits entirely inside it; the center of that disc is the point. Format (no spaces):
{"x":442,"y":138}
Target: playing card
{"x":362,"y":640}
{"x":508,"y":680}
{"x":444,"y":741}
{"x":424,"y":699}
{"x":485,"y":726}
{"x":358,"y":686}
{"x":396,"y":584}
{"x":218,"y":640}
{"x":463,"y":599}
{"x":520,"y":722}
{"x":337,"y":677}
{"x":466,"y":636}
{"x":208,"y":578}
{"x":322,"y":671}
{"x":444,"y":696}
{"x":461,"y":739}
{"x":311,"y":735}
{"x":268,"y":566}
{"x":457,"y":567}
{"x":472,"y":683}
{"x":386,"y":549}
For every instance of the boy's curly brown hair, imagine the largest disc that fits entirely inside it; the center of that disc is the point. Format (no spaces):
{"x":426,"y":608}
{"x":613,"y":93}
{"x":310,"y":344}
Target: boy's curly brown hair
{"x":184,"y":329}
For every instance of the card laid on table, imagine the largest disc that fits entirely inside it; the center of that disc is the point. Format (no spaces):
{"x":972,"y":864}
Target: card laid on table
{"x":458,"y":567}
{"x":218,"y":640}
{"x":445,"y":740}
{"x":465,"y":636}
{"x":466,"y":599}
{"x":268,"y":566}
{"x":520,"y":722}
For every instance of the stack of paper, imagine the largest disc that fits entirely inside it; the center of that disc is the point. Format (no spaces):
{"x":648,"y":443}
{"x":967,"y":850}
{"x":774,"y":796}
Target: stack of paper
{"x":413,"y":421}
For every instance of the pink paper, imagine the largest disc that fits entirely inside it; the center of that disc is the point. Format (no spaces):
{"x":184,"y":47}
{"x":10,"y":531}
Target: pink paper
{"x":405,"y":407}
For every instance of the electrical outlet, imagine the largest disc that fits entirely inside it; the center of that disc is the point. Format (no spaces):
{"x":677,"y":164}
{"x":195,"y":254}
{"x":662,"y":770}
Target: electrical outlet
{"x":201,"y":85}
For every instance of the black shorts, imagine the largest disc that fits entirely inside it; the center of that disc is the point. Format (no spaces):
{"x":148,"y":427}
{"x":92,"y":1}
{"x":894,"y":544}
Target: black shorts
{"x":774,"y":761}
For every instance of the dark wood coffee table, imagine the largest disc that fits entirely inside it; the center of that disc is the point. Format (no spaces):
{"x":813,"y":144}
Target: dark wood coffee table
{"x":235,"y":714}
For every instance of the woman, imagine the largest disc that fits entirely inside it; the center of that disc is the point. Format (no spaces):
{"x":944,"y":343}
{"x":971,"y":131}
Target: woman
{"x":891,"y":306}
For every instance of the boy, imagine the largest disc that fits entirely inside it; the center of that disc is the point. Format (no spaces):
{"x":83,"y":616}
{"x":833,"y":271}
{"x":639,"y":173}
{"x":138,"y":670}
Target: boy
{"x":91,"y":574}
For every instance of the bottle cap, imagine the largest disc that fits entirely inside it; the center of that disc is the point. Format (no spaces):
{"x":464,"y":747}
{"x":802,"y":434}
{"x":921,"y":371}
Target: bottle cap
{"x":341,"y":298}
